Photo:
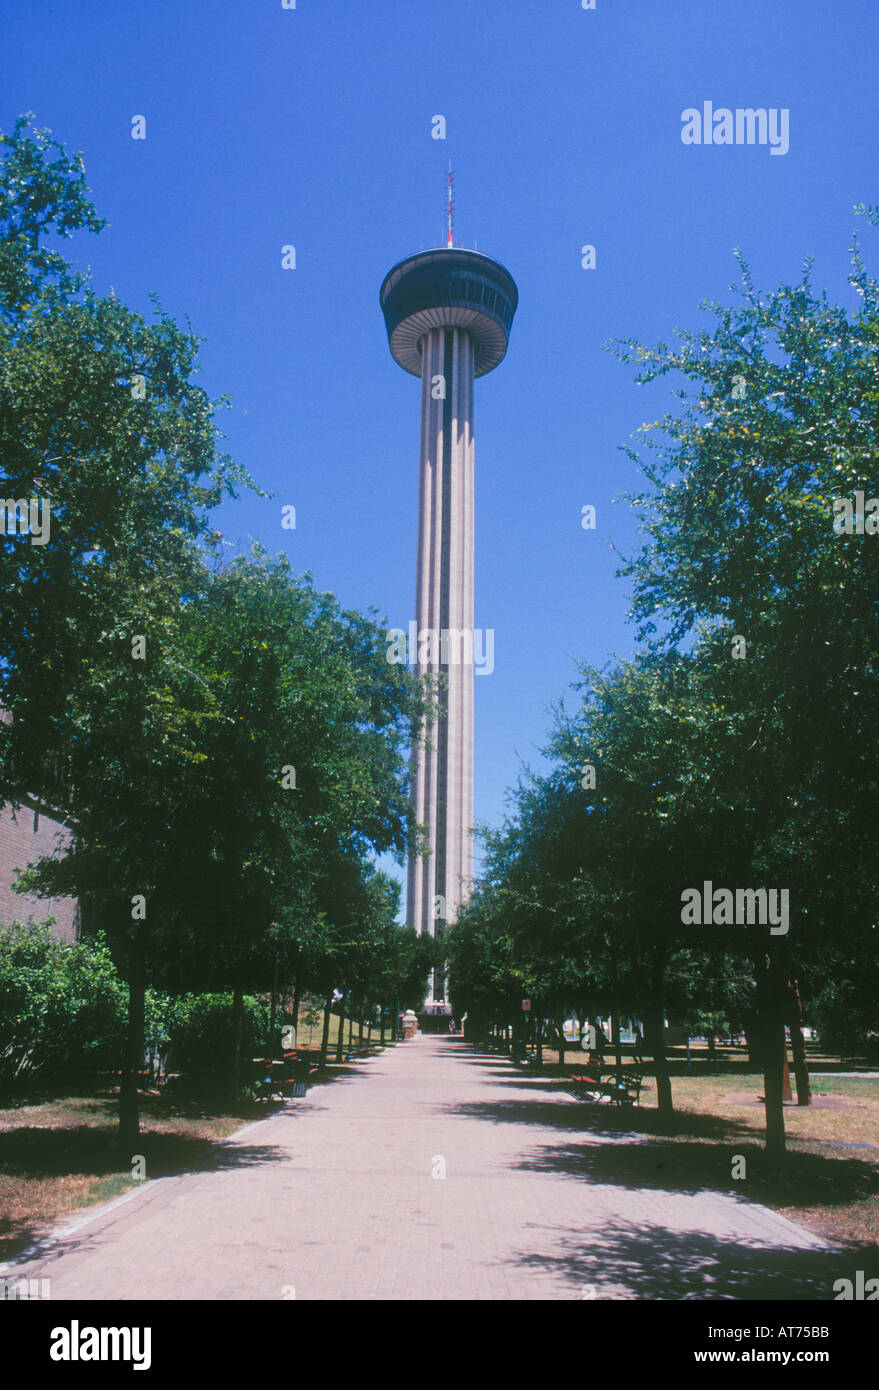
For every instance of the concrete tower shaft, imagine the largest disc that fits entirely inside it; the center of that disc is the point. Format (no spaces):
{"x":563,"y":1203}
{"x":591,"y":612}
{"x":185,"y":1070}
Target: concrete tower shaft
{"x":448,"y":315}
{"x":443,"y":774}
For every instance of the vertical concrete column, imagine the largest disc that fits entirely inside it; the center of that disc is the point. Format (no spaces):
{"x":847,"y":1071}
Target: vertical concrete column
{"x":425,"y":761}
{"x":468,"y":476}
{"x":452,"y":670}
{"x":460,"y":673}
{"x":443,"y":776}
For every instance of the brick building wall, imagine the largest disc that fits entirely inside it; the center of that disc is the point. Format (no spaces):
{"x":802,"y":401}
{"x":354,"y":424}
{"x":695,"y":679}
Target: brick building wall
{"x":25,"y":836}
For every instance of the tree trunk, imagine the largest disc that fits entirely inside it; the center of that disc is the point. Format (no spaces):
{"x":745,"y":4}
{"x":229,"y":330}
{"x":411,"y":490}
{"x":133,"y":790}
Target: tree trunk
{"x":274,"y":1011}
{"x":129,"y":1095}
{"x":617,"y":1044}
{"x":325,"y":1040}
{"x":560,"y":1025}
{"x":237,"y":1030}
{"x":381,"y":1038}
{"x":798,"y":1046}
{"x":350,"y":1029}
{"x":297,"y":1005}
{"x":654,"y":1021}
{"x":773,"y":1050}
{"x":340,"y":1041}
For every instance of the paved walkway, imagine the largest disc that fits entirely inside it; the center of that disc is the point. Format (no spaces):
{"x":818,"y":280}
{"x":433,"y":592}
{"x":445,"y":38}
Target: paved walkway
{"x":434,"y":1172}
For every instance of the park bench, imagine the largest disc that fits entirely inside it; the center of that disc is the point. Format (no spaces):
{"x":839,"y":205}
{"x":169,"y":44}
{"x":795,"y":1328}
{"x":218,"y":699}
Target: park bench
{"x":288,"y":1078}
{"x":300,"y":1070}
{"x":624,"y":1089}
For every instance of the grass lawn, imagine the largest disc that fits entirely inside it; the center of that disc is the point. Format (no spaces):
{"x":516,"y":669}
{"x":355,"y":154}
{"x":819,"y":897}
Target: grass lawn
{"x":310,"y":1033}
{"x":829,"y":1180}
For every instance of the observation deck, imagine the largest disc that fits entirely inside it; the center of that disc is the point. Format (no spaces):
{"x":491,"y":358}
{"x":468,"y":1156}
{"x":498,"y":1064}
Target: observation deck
{"x":449,"y":288}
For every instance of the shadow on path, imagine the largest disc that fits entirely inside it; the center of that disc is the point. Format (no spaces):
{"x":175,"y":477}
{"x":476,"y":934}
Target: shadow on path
{"x":655,"y":1262}
{"x":689,"y":1153}
{"x":598,"y":1119}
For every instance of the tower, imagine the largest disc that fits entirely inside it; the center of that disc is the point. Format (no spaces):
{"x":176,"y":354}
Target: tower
{"x":448,"y":314}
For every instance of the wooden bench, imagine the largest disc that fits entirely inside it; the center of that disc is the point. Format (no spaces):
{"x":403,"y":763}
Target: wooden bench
{"x":606,"y":1086}
{"x":297,"y":1072}
{"x":587,"y":1087}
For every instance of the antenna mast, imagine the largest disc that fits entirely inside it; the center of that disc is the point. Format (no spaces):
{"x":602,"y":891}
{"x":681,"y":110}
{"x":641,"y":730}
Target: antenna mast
{"x":450,"y":242}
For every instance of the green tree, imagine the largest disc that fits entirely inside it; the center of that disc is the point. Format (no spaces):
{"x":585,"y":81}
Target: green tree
{"x":228,"y":834}
{"x":101,"y":423}
{"x":775,"y":427}
{"x":138,"y":691}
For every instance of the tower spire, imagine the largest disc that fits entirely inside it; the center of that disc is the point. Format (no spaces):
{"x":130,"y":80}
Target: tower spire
{"x":450,"y":243}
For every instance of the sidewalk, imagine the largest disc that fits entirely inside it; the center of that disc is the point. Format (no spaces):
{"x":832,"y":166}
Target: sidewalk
{"x":434,"y":1172}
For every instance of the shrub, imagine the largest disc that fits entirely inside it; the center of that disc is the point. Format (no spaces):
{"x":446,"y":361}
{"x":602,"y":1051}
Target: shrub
{"x":201,"y":1033}
{"x":63,"y":1007}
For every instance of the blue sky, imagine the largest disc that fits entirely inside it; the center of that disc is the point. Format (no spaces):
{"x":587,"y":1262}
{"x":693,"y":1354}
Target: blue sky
{"x":312,"y":127}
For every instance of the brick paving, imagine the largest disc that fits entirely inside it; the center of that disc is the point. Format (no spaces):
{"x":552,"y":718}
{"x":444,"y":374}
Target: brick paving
{"x":342,"y":1196}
